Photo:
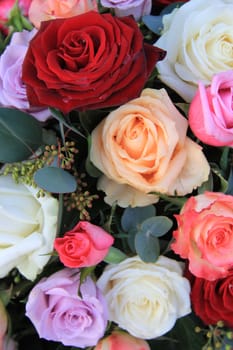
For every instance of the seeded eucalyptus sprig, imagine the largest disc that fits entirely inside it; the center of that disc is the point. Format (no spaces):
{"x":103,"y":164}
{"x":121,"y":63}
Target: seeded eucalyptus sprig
{"x":23,"y":172}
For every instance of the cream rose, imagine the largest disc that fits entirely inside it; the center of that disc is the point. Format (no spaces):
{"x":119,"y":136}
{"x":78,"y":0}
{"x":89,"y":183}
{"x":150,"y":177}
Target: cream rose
{"x":198,"y":38}
{"x":27,"y":228}
{"x":145,"y":298}
{"x":142,"y":147}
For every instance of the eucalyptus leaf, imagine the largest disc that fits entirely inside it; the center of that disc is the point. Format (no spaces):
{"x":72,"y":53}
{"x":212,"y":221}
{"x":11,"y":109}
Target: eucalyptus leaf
{"x":131,"y":238}
{"x":147,"y":246}
{"x":223,"y":181}
{"x":230,"y":183}
{"x":168,"y":9}
{"x":90,"y":168}
{"x":115,"y":256}
{"x":20,"y":135}
{"x":55,"y":180}
{"x":154,"y":23}
{"x":156,"y":226}
{"x":132,"y":217}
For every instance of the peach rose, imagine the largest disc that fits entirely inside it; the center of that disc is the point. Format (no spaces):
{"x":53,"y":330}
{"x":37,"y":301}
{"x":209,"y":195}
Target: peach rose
{"x":142,"y":147}
{"x":43,"y":10}
{"x":204,"y":235}
{"x":119,"y":340}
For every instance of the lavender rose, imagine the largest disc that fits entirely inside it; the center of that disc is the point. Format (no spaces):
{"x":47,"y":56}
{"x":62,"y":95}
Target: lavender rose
{"x":60,"y":314}
{"x":137,"y":8}
{"x":12,"y":89}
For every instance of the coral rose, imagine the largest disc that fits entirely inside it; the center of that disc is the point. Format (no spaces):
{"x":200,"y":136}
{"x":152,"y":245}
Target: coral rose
{"x":94,"y":61}
{"x":119,"y":340}
{"x":212,"y":300}
{"x":204,"y":235}
{"x":211,"y":112}
{"x":85,"y":245}
{"x":44,"y":10}
{"x":143,"y":146}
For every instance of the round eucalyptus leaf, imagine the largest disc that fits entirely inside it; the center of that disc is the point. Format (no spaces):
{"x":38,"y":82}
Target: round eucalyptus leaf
{"x":157,"y":226}
{"x":147,"y":247}
{"x":55,"y":180}
{"x":132,"y":217}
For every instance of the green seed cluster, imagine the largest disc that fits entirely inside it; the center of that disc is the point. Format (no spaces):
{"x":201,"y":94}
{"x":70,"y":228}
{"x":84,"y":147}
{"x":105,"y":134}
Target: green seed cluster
{"x":217,"y":337}
{"x":80,"y":200}
{"x":23,"y":172}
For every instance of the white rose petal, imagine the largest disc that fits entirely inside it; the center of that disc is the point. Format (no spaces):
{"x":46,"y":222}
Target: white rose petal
{"x":145,"y":298}
{"x":198,"y":39}
{"x":27,"y":228}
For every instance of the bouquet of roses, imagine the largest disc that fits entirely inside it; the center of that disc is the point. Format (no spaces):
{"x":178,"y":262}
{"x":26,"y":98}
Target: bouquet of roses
{"x":116,"y":180}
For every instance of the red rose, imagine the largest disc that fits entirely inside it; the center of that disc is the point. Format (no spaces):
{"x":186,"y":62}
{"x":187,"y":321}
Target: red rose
{"x":85,"y":245}
{"x":88,"y":61}
{"x":212,"y":300}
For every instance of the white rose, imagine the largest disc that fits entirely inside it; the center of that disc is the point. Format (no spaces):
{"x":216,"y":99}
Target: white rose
{"x":198,"y":38}
{"x":145,"y":298}
{"x":27,"y":228}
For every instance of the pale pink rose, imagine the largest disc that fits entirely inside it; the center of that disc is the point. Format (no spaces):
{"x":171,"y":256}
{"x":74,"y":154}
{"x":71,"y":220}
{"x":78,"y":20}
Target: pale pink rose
{"x":43,"y":10}
{"x":119,"y":340}
{"x":136,"y":8}
{"x":204,"y":235}
{"x":143,"y":146}
{"x":211,"y":111}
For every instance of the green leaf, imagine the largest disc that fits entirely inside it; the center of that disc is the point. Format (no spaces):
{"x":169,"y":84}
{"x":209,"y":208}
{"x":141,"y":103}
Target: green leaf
{"x":156,"y":226}
{"x":230,"y":183}
{"x":20,"y":135}
{"x":60,"y":117}
{"x":55,"y":180}
{"x":223,"y":182}
{"x":184,"y":333}
{"x":90,"y":168}
{"x":115,"y":256}
{"x":147,"y":246}
{"x":132,"y":217}
{"x":86,"y":271}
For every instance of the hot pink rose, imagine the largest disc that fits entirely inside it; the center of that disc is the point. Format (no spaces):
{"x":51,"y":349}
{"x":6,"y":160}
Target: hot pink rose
{"x":204,"y":235}
{"x":211,"y":111}
{"x":85,"y":245}
{"x":43,"y":10}
{"x":122,"y":341}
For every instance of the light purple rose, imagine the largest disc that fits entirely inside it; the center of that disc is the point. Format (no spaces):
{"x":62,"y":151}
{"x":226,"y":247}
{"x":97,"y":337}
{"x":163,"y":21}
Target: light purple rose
{"x":12,"y":89}
{"x":137,"y":8}
{"x":60,"y":314}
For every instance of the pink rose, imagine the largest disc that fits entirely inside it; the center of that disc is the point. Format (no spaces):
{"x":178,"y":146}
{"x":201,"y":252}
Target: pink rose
{"x":204,"y":235}
{"x":60,"y":314}
{"x":43,"y":10}
{"x":122,"y":341}
{"x":211,"y":111}
{"x":136,"y":8}
{"x":85,"y":245}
